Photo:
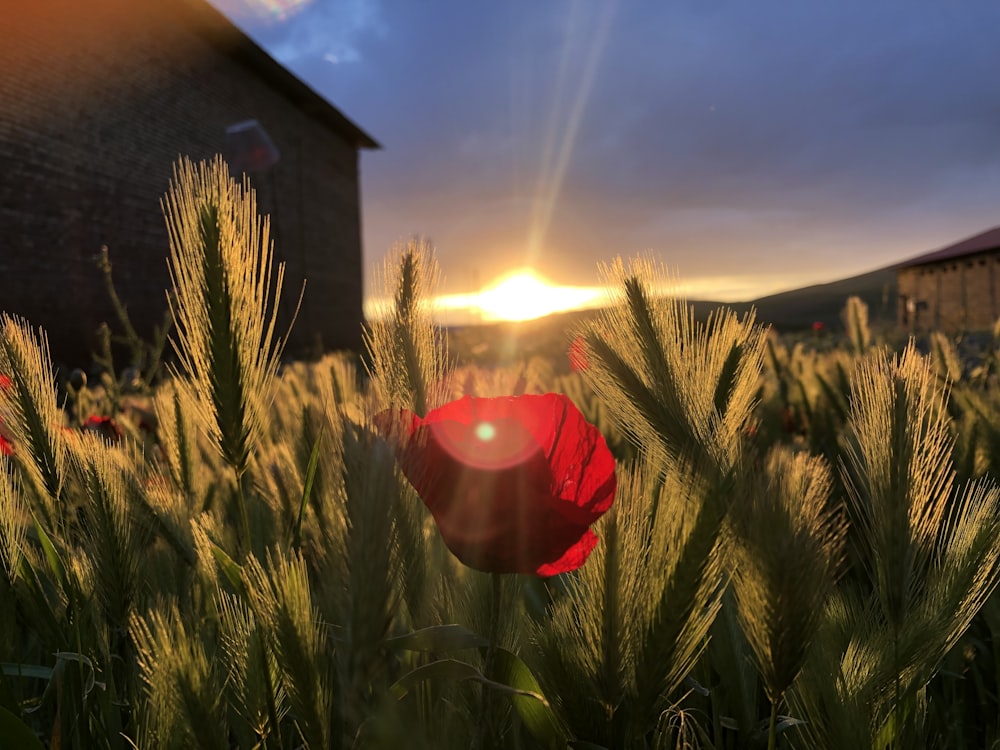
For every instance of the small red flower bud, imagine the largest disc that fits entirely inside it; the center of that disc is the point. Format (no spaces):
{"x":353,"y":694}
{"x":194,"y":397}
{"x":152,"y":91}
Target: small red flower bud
{"x":106,"y":427}
{"x":578,"y":359}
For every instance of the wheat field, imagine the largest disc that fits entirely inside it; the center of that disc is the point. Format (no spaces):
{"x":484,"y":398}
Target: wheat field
{"x":225,"y":552}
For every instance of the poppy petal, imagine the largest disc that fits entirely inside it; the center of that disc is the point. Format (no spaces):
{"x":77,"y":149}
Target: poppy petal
{"x":513,"y":483}
{"x":572,"y":558}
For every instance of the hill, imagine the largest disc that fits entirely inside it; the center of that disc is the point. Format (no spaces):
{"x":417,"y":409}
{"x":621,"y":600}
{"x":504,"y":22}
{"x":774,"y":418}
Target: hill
{"x":800,"y":308}
{"x":492,"y":344}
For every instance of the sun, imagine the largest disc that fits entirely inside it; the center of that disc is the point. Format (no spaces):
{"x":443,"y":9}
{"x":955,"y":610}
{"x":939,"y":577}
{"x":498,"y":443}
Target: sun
{"x":520,"y":295}
{"x":524,"y":295}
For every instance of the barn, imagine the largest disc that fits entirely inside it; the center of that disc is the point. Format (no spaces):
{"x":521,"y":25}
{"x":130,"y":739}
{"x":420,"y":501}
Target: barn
{"x":98,"y":99}
{"x":954,"y":288}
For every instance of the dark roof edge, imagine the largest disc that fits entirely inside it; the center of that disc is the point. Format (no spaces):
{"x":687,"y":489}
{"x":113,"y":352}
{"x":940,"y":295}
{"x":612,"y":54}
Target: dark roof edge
{"x":213,"y":25}
{"x":978,"y":243}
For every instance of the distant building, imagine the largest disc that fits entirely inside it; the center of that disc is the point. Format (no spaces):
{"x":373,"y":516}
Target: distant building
{"x":954,"y":288}
{"x":98,"y":99}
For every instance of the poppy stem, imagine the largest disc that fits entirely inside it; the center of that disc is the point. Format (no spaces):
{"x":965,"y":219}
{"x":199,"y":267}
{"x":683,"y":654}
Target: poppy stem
{"x":484,"y":724}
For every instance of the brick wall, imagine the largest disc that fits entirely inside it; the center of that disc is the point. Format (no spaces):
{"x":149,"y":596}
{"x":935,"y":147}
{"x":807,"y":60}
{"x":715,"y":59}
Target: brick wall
{"x":955,"y":295}
{"x":97,"y":101}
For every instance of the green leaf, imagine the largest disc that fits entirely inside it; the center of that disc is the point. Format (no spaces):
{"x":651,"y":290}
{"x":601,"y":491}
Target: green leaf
{"x":7,"y":699}
{"x":448,"y":669}
{"x":15,"y":734}
{"x":27,"y":670}
{"x":528,"y":700}
{"x":229,"y":567}
{"x":534,"y":710}
{"x":307,"y":489}
{"x":438,"y":638}
{"x":786,"y":722}
{"x":52,"y":557}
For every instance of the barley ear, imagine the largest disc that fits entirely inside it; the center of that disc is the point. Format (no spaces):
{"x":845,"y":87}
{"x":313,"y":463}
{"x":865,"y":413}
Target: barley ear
{"x":113,"y":539}
{"x":281,"y":601}
{"x":407,"y":351}
{"x":674,"y":384}
{"x":254,"y":678}
{"x":635,"y":619}
{"x":855,"y":319}
{"x":930,"y":555}
{"x":223,"y":308}
{"x":176,"y":412}
{"x":183,"y":706}
{"x":681,"y":600}
{"x":221,"y":269}
{"x":587,"y":646}
{"x":944,"y":355}
{"x":31,"y":413}
{"x":371,"y":596}
{"x":899,"y":476}
{"x":786,"y":548}
{"x":14,"y":522}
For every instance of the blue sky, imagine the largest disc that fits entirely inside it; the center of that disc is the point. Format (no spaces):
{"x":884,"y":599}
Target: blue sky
{"x":749,"y":146}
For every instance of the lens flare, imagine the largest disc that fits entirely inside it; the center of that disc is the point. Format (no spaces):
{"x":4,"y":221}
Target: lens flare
{"x":495,"y":444}
{"x":485,"y":431}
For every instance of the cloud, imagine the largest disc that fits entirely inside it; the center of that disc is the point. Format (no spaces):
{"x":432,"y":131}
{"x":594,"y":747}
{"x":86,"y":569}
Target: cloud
{"x":261,"y":12}
{"x":302,"y":31}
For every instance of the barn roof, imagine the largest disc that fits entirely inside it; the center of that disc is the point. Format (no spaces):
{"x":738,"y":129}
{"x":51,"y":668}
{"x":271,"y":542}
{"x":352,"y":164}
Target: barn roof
{"x":980,"y":243}
{"x":219,"y":31}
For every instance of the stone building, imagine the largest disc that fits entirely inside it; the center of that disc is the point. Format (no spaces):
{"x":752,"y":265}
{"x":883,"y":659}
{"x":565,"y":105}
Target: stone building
{"x":98,"y":99}
{"x":955,"y":288}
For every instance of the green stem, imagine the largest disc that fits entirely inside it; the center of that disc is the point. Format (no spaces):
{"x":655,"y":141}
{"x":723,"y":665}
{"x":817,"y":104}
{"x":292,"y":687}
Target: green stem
{"x":897,"y":688}
{"x":772,"y":729}
{"x":273,"y":724}
{"x":484,"y":720}
{"x":246,"y":543}
{"x":611,"y":655}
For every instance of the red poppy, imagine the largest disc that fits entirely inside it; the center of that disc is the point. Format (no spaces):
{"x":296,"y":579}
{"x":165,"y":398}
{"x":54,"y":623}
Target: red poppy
{"x":818,"y":325}
{"x":514,"y":483}
{"x":578,"y":359}
{"x":106,"y":427}
{"x":6,"y":447}
{"x":789,"y":420}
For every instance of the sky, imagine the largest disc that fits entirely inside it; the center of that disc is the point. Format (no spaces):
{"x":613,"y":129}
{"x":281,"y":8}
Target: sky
{"x":749,"y":147}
